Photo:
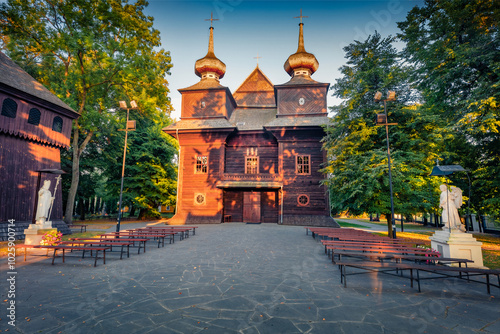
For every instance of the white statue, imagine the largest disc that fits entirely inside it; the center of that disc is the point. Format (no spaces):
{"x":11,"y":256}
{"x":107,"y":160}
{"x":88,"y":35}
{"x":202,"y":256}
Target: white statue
{"x":450,"y":202}
{"x":44,"y":203}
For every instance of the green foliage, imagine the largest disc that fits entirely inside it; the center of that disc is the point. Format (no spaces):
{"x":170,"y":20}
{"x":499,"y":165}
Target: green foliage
{"x":357,"y":148}
{"x":454,"y":47}
{"x":150,"y":169}
{"x":90,"y":54}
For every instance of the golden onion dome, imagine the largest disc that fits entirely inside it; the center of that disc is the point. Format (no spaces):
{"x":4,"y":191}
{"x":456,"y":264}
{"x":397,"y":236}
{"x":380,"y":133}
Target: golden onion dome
{"x":210,"y":67}
{"x":301,"y":62}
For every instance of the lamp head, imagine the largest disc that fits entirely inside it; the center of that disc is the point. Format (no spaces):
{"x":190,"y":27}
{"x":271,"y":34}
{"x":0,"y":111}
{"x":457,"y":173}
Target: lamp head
{"x":378,"y":96}
{"x":123,"y":104}
{"x":391,"y":96}
{"x":133,"y":104}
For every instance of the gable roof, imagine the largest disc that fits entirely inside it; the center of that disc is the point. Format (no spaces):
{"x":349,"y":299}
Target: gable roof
{"x":14,"y":76}
{"x":256,"y":91}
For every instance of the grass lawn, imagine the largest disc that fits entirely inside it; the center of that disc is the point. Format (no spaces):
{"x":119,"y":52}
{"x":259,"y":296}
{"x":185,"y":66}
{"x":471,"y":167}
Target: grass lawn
{"x":490,"y":247}
{"x":346,"y":224}
{"x":406,"y":225}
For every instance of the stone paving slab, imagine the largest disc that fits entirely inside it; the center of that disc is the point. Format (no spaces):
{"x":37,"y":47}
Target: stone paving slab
{"x":236,"y":278}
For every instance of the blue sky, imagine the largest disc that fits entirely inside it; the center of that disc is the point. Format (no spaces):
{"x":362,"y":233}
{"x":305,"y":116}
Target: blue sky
{"x":268,"y":29}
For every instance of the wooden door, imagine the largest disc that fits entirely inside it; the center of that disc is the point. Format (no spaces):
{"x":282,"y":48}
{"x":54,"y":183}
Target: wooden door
{"x":251,"y":207}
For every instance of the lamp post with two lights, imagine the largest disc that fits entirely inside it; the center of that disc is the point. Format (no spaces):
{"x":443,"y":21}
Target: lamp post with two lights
{"x":382,"y":120}
{"x":130,"y":126}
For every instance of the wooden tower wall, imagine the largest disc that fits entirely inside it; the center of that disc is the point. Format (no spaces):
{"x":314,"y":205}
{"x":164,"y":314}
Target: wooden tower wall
{"x":314,"y":100}
{"x":207,"y":103}
{"x":19,"y":161}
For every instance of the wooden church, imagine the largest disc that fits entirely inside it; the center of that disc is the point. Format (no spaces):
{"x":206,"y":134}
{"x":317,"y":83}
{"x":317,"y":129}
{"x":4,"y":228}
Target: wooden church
{"x":253,"y":156}
{"x":34,"y":126}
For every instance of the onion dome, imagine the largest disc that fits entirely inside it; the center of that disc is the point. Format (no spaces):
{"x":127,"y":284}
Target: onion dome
{"x":210,"y":67}
{"x":301,"y":62}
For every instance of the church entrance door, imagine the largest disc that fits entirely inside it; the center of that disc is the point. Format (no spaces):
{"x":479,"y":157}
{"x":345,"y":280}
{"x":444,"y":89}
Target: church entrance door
{"x":251,"y":207}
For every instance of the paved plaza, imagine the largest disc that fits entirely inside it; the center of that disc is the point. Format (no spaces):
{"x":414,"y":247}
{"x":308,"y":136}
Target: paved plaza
{"x":236,"y":278}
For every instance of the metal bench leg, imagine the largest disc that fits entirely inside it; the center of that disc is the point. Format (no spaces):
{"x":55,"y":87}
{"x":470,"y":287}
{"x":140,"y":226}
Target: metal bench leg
{"x":96,"y":255}
{"x":418,"y":280}
{"x":54,"y":256}
{"x":411,"y":276}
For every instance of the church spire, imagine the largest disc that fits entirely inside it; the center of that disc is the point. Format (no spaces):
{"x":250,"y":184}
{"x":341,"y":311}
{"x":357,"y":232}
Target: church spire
{"x":301,"y":62}
{"x":210,"y":67}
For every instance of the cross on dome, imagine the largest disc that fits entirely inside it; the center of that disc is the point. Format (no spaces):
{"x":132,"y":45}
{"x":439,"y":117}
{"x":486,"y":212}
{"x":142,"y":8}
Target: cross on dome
{"x":300,"y":16}
{"x":211,"y":19}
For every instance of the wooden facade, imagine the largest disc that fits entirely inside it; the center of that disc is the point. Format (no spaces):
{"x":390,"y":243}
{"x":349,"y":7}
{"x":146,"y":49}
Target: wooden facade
{"x":34,"y":126}
{"x":253,"y":156}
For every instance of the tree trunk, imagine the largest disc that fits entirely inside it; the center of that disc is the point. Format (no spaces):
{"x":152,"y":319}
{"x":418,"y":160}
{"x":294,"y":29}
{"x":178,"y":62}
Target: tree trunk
{"x":82,"y":209}
{"x":75,"y":170}
{"x":75,"y":177}
{"x":92,"y":205}
{"x":389,"y":224}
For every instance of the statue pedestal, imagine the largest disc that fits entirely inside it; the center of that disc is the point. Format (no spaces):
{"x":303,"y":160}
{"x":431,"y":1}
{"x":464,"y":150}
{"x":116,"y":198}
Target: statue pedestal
{"x":457,"y":244}
{"x":34,"y":233}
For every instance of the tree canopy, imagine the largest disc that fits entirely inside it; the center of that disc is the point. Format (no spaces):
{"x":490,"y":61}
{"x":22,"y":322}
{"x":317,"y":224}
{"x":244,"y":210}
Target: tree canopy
{"x":454,"y":47}
{"x":358,"y":167}
{"x":90,"y":54}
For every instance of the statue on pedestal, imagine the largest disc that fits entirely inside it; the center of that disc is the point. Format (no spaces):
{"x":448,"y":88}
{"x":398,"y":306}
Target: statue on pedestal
{"x":450,"y":202}
{"x":44,"y":203}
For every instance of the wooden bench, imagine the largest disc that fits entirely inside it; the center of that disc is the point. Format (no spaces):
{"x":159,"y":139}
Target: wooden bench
{"x":102,"y":243}
{"x":382,"y":245}
{"x":442,"y":271}
{"x":142,"y":241}
{"x":182,"y":232}
{"x":80,"y":248}
{"x":82,"y":227}
{"x":400,"y":257}
{"x":175,"y":227}
{"x":405,"y":251}
{"x":26,"y":247}
{"x":136,"y":234}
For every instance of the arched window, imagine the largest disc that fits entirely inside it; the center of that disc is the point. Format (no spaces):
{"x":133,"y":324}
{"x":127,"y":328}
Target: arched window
{"x":9,"y":108}
{"x":34,"y":116}
{"x":57,"y":125}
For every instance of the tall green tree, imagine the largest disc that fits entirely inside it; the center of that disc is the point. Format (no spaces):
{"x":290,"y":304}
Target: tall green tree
{"x":358,"y":166}
{"x":150,"y":168}
{"x":454,"y":47}
{"x":90,"y":54}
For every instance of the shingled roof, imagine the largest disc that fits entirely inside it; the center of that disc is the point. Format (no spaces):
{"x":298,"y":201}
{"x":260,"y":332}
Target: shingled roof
{"x":256,"y":91}
{"x":14,"y":76}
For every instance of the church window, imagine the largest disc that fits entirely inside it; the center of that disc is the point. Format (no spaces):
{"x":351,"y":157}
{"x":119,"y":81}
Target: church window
{"x":303,"y":200}
{"x":34,"y":116}
{"x":201,"y":164}
{"x":252,"y":165}
{"x":303,"y":164}
{"x":57,"y":125}
{"x":252,"y":161}
{"x":199,"y":199}
{"x":9,"y":108}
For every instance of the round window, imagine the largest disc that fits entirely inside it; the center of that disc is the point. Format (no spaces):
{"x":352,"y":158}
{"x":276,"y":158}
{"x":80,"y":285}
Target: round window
{"x":303,"y":200}
{"x":302,"y":101}
{"x":199,"y":199}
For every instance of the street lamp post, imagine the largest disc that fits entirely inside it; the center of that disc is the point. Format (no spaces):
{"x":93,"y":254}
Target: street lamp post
{"x":382,"y":120}
{"x":123,"y":105}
